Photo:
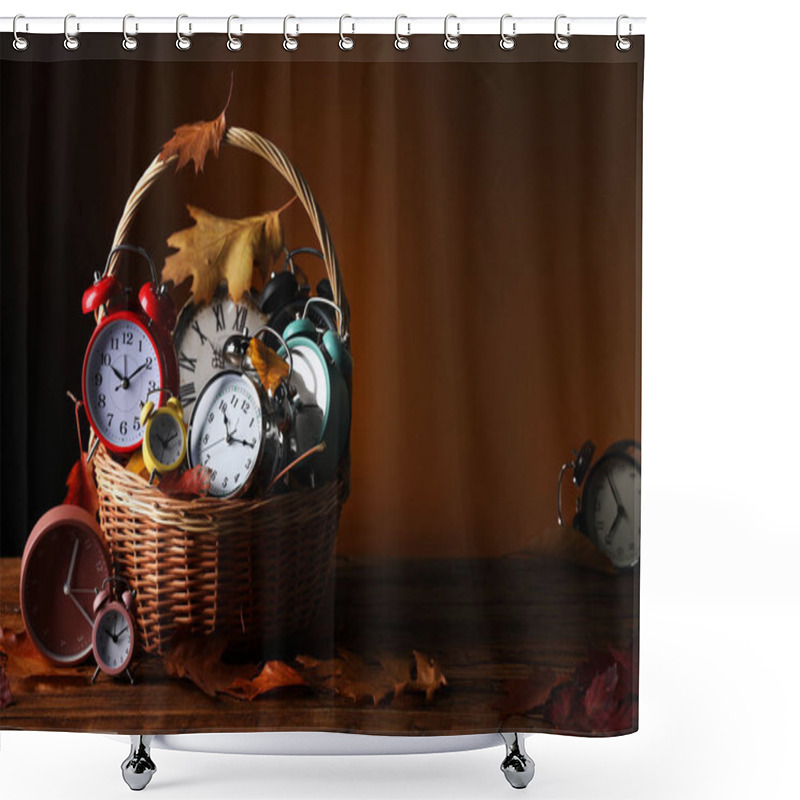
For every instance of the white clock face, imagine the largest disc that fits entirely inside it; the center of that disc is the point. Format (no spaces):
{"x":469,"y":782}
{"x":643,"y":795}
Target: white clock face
{"x":310,"y":380}
{"x":226,"y":432}
{"x":113,"y":639}
{"x":612,"y":509}
{"x":201,"y":334}
{"x":165,"y":436}
{"x":122,"y":366}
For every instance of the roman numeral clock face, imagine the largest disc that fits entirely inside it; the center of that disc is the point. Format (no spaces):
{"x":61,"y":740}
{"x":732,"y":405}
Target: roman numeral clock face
{"x":201,"y":334}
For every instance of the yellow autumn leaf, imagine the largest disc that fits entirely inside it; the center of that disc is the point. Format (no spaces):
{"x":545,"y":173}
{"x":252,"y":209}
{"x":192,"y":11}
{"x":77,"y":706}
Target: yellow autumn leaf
{"x":216,"y":249}
{"x":271,"y":368}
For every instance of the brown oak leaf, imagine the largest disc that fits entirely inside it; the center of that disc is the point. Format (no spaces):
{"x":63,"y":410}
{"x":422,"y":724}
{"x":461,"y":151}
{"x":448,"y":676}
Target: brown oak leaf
{"x":352,"y":677}
{"x":194,"y":141}
{"x":274,"y":675}
{"x":200,"y":659}
{"x":271,"y":368}
{"x":216,"y":249}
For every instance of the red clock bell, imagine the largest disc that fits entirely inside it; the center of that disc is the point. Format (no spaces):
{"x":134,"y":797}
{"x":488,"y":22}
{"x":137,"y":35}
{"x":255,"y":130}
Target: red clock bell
{"x":129,"y":355}
{"x":63,"y":564}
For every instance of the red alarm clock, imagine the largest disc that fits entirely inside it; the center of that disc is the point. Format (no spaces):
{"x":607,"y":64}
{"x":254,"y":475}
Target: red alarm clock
{"x":113,"y":637}
{"x":63,"y":565}
{"x":129,"y":355}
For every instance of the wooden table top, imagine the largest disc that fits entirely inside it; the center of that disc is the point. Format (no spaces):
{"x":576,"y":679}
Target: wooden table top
{"x":485,"y":620}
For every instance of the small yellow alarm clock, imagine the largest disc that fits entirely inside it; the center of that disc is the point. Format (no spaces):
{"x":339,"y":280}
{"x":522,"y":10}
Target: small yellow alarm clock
{"x":164,"y":441}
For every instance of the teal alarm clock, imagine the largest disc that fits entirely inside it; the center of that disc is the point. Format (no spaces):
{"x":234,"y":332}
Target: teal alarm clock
{"x":321,"y":374}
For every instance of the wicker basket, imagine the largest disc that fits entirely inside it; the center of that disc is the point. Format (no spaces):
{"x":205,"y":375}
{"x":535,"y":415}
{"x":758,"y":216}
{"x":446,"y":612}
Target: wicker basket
{"x":256,"y":567}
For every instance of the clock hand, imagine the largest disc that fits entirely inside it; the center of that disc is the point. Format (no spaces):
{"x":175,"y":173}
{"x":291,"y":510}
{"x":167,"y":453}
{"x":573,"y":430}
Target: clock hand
{"x":613,"y":529}
{"x":137,"y":370}
{"x":113,"y":637}
{"x":614,"y":492}
{"x":68,"y":584}
{"x":81,"y":609}
{"x":243,"y":441}
{"x":115,"y":371}
{"x":209,"y":446}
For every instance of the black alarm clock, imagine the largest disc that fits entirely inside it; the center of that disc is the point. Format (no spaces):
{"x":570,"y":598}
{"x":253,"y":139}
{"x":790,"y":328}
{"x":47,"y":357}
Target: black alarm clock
{"x":284,"y":298}
{"x":608,"y":511}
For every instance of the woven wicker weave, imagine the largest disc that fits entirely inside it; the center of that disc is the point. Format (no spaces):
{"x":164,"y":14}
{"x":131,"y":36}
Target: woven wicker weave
{"x":254,"y":567}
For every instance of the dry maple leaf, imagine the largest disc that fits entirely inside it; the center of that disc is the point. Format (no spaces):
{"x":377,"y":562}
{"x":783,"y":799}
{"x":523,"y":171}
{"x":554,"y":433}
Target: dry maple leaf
{"x":274,"y":675}
{"x":216,"y":249}
{"x":271,"y":368}
{"x":194,"y":141}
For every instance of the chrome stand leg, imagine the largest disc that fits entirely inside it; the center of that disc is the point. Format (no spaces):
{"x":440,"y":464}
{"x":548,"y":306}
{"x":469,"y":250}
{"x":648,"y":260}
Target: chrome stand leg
{"x":517,"y":766}
{"x":138,"y":768}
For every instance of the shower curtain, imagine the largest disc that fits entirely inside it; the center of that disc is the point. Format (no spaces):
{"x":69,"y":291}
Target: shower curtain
{"x":320,"y":385}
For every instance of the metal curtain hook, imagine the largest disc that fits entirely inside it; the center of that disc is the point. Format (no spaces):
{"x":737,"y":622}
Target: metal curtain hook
{"x":129,"y":42}
{"x":71,"y":42}
{"x":20,"y":42}
{"x":346,"y":42}
{"x":289,"y":42}
{"x":507,"y":42}
{"x":234,"y":42}
{"x":623,"y":43}
{"x":401,"y":42}
{"x":182,"y":42}
{"x":561,"y":42}
{"x":451,"y":42}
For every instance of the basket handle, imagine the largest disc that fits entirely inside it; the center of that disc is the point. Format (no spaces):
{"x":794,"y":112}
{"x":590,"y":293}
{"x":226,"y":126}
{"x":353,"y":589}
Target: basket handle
{"x":254,"y":143}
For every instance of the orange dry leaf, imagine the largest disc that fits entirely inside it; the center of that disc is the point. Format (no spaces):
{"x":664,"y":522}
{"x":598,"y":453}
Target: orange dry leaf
{"x":24,"y":658}
{"x":136,"y":464}
{"x":274,"y":675}
{"x":193,"y":482}
{"x":218,"y":249}
{"x":193,"y":142}
{"x":271,"y":368}
{"x":429,"y":676}
{"x":81,"y":489}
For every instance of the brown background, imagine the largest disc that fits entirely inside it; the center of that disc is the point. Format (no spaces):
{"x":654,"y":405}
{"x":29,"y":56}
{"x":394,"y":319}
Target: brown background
{"x":485,"y":209}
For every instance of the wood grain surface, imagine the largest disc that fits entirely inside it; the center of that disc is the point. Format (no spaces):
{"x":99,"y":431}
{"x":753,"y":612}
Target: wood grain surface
{"x":486,"y":621}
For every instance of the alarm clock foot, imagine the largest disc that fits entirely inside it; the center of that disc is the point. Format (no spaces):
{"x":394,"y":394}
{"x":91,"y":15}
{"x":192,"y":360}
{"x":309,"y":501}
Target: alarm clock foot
{"x":517,"y":766}
{"x":138,"y":768}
